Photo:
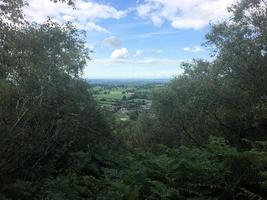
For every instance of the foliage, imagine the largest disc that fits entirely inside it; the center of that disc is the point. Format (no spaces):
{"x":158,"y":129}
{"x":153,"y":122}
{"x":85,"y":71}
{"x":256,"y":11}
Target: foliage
{"x":46,"y":112}
{"x":217,"y":171}
{"x":226,"y":96}
{"x":55,"y":144}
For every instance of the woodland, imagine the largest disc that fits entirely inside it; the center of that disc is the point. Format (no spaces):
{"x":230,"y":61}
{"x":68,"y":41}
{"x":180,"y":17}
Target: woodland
{"x":205,"y":136}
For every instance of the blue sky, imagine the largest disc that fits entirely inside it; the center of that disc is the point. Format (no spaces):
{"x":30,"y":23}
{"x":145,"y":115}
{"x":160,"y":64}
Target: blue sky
{"x":137,"y":38}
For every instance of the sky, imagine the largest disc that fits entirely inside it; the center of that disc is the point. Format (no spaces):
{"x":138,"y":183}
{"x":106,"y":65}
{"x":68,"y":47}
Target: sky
{"x":137,"y":38}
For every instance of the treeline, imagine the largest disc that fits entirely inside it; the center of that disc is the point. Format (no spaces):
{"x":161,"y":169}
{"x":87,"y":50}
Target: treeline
{"x":225,"y":97}
{"x":47,"y":113}
{"x":205,"y":137}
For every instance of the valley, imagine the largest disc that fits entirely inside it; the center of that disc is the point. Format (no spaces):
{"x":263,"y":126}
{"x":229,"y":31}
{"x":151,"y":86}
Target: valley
{"x":126,"y":100}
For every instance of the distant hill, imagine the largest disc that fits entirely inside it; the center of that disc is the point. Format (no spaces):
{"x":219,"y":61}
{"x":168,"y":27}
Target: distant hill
{"x":127,"y":81}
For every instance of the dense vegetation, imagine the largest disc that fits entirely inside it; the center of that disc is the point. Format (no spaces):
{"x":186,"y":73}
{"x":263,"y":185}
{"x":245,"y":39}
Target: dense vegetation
{"x":204,"y":138}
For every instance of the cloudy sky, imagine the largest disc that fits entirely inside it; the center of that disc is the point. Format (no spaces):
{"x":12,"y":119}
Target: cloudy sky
{"x":137,"y":38}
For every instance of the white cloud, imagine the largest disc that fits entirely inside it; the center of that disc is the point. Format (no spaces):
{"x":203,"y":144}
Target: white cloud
{"x":148,"y":35}
{"x":84,"y":15}
{"x":112,"y":41}
{"x":194,"y":49}
{"x":138,"y":52}
{"x":120,"y":53}
{"x":159,"y":51}
{"x":145,"y":61}
{"x":187,"y":14}
{"x":189,"y":23}
{"x":123,"y":53}
{"x":90,"y":26}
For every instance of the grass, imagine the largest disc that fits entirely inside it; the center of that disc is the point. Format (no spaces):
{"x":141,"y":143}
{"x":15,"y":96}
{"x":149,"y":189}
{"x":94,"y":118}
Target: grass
{"x":108,"y":96}
{"x":114,"y":93}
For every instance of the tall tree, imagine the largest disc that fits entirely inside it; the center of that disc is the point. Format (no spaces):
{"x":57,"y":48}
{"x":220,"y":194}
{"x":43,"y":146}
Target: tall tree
{"x":228,"y":95}
{"x":47,"y":112}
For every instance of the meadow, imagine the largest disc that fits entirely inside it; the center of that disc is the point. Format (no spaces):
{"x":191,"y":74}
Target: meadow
{"x":124,"y":100}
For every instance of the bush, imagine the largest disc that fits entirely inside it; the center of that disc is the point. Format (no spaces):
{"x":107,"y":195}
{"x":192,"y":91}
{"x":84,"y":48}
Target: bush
{"x":215,"y":171}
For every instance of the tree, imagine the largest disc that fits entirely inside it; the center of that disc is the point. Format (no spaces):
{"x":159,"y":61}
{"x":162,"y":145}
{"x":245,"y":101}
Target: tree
{"x":46,"y":112}
{"x":241,"y":65}
{"x":227,"y":96}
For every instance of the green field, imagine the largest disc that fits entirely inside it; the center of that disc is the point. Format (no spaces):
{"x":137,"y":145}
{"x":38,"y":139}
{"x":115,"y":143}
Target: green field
{"x":125,"y":101}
